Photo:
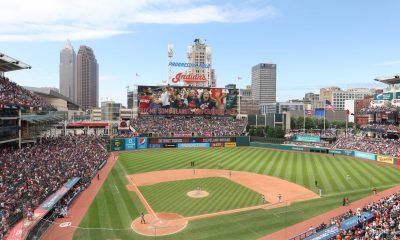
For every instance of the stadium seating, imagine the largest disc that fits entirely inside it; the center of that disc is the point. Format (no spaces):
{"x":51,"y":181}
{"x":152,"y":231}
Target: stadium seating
{"x":187,"y":126}
{"x":381,"y":146}
{"x":13,"y":95}
{"x":384,"y":225}
{"x":32,"y":173}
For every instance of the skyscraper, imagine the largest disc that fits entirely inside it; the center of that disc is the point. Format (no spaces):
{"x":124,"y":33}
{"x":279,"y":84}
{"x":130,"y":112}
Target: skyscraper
{"x":68,"y":71}
{"x":200,"y":54}
{"x":87,"y":78}
{"x":263,"y":83}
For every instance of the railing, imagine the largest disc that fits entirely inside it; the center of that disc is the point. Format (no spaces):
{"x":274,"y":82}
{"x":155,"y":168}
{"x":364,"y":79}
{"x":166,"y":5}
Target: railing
{"x":303,"y":235}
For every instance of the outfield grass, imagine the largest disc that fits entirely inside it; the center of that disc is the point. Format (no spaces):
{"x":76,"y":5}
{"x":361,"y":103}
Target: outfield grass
{"x":112,"y":212}
{"x":223,"y":195}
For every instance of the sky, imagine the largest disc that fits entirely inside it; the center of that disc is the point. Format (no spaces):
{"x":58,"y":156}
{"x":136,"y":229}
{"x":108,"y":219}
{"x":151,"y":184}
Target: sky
{"x":314,"y":43}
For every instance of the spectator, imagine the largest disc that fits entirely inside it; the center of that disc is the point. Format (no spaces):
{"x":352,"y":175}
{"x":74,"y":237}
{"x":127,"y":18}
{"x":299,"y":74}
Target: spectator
{"x":31,"y":174}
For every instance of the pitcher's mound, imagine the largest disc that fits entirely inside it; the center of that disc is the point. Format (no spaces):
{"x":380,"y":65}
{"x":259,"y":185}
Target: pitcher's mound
{"x":163,"y":224}
{"x":197,"y":194}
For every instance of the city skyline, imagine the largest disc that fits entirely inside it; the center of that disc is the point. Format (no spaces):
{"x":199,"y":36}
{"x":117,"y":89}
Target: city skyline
{"x":314,"y":44}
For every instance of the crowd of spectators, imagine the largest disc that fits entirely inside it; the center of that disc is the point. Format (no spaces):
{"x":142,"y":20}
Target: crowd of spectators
{"x":11,"y":94}
{"x":381,"y":146}
{"x":380,"y":128}
{"x":381,"y":109}
{"x":186,"y":126}
{"x":308,"y":144}
{"x":290,"y":138}
{"x":30,"y":174}
{"x":315,"y":133}
{"x":384,"y":225}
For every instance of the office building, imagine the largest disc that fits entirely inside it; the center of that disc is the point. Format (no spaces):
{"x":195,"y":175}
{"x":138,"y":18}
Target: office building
{"x":338,"y":96}
{"x":68,"y":82}
{"x":263,"y":83}
{"x":87,"y":78}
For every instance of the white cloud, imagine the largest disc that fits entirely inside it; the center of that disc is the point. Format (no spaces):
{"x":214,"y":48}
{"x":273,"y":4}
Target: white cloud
{"x":107,"y":78}
{"x":390,"y":63}
{"x":49,"y":20}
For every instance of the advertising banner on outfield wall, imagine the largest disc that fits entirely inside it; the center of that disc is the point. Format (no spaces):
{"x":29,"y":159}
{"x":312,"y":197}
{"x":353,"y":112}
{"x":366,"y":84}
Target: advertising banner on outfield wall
{"x":117,"y":144}
{"x":155,"y":145}
{"x":342,"y":152}
{"x":230,"y":144}
{"x":170,"y":145}
{"x":398,"y":161}
{"x":193,"y":145}
{"x":364,"y":155}
{"x":217,"y":144}
{"x":296,"y":148}
{"x":385,"y":159}
{"x":142,"y":142}
{"x":130,"y":143}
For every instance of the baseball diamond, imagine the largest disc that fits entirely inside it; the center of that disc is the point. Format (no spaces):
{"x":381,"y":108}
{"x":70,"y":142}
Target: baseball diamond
{"x":111,"y":215}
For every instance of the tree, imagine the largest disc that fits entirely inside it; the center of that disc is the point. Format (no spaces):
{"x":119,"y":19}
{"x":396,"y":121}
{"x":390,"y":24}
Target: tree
{"x":279,"y":133}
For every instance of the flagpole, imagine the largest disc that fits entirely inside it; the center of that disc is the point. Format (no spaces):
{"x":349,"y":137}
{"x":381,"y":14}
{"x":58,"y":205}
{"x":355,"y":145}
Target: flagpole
{"x":304,"y":117}
{"x":324,"y":116}
{"x":347,"y":121}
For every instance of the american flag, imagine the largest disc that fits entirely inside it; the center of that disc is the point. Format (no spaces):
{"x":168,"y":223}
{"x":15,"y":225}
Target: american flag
{"x":328,"y":106}
{"x":308,"y":112}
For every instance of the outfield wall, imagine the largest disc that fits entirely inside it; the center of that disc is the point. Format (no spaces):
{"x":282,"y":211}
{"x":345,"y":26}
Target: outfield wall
{"x":128,"y":144}
{"x":357,"y":154}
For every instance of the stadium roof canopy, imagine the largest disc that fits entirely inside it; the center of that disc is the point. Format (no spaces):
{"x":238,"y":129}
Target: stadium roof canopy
{"x":48,"y":92}
{"x":8,"y":64}
{"x":391,"y":80}
{"x":42,"y":118}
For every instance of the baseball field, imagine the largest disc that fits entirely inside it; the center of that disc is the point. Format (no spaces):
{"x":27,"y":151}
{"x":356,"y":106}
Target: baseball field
{"x":230,"y":193}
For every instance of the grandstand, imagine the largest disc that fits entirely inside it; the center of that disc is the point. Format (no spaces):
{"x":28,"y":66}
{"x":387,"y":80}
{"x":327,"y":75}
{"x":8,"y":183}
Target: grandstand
{"x":37,"y":160}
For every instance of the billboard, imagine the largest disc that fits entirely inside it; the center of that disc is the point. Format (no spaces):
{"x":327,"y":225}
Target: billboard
{"x":384,"y":96}
{"x":117,"y":144}
{"x":170,"y":145}
{"x":186,"y":100}
{"x":193,"y":145}
{"x":364,"y":155}
{"x":130,"y":143}
{"x":142,"y":142}
{"x":155,"y":145}
{"x":217,"y":144}
{"x":342,"y":152}
{"x":230,"y":144}
{"x":385,"y":159}
{"x":306,"y":138}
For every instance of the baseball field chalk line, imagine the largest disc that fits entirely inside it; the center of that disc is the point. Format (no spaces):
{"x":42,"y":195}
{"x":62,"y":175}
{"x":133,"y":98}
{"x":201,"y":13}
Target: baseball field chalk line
{"x":140,"y":195}
{"x":116,"y":189}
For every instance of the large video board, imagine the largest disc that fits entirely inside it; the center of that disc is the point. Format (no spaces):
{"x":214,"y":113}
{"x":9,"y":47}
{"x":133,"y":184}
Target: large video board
{"x":181,"y":100}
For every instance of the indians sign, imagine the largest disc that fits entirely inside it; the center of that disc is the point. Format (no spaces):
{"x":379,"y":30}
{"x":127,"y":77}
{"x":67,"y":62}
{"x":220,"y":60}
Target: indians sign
{"x":189,"y":78}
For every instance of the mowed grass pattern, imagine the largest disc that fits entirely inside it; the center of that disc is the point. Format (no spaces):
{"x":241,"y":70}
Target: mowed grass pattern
{"x":301,"y":168}
{"x":112,"y":211}
{"x":223,"y":195}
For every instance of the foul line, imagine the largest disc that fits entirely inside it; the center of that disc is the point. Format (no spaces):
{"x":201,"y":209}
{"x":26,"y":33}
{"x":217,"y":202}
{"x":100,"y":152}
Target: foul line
{"x":140,"y":195}
{"x":116,"y":189}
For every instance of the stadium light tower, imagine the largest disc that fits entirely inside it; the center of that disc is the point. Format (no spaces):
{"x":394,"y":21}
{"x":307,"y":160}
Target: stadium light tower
{"x":170,"y":58}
